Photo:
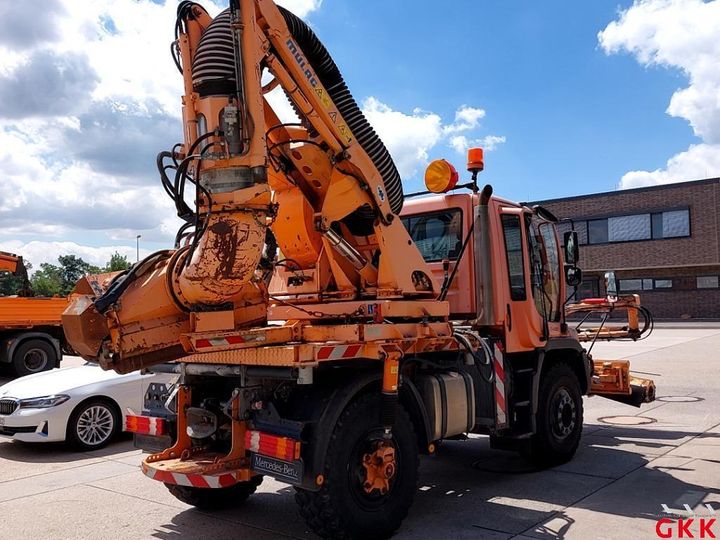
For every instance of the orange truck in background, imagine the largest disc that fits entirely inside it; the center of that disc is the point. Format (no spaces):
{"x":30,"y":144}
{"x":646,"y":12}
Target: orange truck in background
{"x":31,"y":334}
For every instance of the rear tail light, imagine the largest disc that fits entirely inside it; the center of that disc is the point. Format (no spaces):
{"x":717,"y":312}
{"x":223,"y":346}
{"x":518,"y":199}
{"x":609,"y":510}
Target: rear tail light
{"x":145,"y":425}
{"x":272,"y":445}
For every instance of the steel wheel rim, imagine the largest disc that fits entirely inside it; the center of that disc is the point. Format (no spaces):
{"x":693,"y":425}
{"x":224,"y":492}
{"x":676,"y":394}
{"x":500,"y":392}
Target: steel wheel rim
{"x":356,"y":472}
{"x":95,"y":425}
{"x":35,"y":360}
{"x":564,"y":414}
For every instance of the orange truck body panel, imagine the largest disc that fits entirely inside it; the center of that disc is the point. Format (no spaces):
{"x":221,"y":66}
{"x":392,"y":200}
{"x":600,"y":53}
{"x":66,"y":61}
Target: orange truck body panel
{"x":23,"y":313}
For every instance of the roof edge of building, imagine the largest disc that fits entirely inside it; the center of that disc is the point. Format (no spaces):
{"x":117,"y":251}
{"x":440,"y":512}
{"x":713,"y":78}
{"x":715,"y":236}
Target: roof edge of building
{"x":618,"y":192}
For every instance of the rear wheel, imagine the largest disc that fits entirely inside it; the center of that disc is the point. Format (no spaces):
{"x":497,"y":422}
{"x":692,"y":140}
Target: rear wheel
{"x":215,"y":499}
{"x":33,"y":356}
{"x":559,"y":418}
{"x":369,"y":481}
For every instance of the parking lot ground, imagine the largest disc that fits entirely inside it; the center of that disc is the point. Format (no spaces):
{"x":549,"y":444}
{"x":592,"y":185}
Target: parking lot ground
{"x":615,"y":488}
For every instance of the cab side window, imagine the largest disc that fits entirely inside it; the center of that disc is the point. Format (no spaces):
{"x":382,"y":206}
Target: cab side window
{"x":438,"y":235}
{"x":514,"y":253}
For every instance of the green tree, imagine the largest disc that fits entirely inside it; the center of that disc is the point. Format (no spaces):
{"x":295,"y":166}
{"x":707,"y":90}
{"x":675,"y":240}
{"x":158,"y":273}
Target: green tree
{"x":117,"y":263}
{"x":48,"y":280}
{"x":11,"y":285}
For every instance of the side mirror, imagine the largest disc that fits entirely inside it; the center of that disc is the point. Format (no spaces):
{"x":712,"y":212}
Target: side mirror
{"x":572,"y":248}
{"x":611,"y":288}
{"x":573,"y":276}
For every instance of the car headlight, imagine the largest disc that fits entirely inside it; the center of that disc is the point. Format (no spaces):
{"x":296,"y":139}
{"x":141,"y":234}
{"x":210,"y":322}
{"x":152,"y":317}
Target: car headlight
{"x":44,"y":402}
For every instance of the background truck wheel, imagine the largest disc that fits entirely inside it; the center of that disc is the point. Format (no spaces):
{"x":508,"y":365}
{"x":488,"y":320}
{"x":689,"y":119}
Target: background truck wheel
{"x":93,"y":424}
{"x":559,"y":418}
{"x":33,"y":356}
{"x":347,"y":505}
{"x":215,"y":499}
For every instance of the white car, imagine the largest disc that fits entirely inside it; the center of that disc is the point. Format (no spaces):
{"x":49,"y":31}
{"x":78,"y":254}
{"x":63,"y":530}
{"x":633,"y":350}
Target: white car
{"x":84,"y":405}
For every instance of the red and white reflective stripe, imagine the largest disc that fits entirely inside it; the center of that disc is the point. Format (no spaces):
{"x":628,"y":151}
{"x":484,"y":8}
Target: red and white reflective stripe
{"x":330,"y":352}
{"x":145,"y":425}
{"x":272,"y":445}
{"x":500,"y":398}
{"x":191,"y":480}
{"x":219,"y":342}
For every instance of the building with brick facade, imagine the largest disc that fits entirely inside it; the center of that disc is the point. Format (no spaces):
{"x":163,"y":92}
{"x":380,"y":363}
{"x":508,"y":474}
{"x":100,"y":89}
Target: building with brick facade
{"x":662,"y":242}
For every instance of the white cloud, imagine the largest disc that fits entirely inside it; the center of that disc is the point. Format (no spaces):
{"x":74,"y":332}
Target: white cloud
{"x":301,"y":8}
{"x":461,"y":143}
{"x":78,"y":166}
{"x":699,"y":161}
{"x":680,"y":34}
{"x":38,"y":252}
{"x":466,"y":118}
{"x":411,"y":138}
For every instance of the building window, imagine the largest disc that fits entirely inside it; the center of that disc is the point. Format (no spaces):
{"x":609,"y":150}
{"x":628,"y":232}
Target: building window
{"x":707,"y":282}
{"x":676,"y":224}
{"x":597,"y":231}
{"x":631,"y":228}
{"x":644,"y":284}
{"x":627,"y":228}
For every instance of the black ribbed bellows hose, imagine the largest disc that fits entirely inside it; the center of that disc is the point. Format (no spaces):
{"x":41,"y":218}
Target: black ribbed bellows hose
{"x":214,"y":74}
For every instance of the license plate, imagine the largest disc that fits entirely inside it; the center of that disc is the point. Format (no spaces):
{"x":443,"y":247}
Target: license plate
{"x":289,"y":471}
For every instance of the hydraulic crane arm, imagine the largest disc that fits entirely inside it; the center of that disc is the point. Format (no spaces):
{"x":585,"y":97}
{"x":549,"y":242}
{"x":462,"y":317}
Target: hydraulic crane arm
{"x":324,"y":192}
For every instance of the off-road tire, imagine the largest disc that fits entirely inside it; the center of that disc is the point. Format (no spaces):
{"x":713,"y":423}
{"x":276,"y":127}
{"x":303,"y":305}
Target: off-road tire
{"x":33,"y":356}
{"x":210,"y":499}
{"x":334,"y":510}
{"x":547,"y":448}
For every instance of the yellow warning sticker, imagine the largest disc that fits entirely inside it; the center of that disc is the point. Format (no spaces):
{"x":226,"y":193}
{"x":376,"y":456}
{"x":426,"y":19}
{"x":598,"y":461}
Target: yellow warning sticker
{"x":346,"y":133}
{"x":324,"y":98}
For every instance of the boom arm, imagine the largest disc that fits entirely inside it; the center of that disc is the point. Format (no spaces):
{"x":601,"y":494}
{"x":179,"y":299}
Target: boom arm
{"x":323,"y":191}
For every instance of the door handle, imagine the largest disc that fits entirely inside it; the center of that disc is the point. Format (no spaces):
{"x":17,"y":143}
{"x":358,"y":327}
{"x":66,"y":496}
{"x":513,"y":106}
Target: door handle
{"x":509,"y":318}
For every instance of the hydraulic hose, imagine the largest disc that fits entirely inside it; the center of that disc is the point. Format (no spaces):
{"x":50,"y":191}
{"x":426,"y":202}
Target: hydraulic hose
{"x":214,"y":74}
{"x":332,"y":80}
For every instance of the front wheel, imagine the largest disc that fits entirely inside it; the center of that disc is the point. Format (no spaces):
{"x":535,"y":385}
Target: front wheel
{"x":369,"y":480}
{"x":93,"y":424}
{"x":559,"y":418}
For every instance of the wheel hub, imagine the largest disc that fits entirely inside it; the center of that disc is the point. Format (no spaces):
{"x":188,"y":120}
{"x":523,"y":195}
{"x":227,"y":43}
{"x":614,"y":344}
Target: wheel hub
{"x":564,"y":414}
{"x":380,"y":468}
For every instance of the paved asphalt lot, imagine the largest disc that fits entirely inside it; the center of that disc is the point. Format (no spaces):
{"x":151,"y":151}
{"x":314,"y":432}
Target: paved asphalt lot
{"x":614,"y":488}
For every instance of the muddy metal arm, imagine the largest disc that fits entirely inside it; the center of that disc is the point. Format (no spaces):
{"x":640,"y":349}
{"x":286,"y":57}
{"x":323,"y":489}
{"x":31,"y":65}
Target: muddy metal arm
{"x":323,"y":191}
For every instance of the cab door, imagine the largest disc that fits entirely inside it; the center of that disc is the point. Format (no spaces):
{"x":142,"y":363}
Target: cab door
{"x":523,"y":324}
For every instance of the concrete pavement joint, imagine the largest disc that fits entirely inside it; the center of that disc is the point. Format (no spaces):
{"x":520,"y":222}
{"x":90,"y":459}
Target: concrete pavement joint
{"x":59,"y":470}
{"x":208,"y":514}
{"x":559,"y":512}
{"x":62,"y":487}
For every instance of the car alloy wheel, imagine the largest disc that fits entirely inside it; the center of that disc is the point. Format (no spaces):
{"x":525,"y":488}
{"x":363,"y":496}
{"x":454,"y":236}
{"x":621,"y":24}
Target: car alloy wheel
{"x":95,"y":425}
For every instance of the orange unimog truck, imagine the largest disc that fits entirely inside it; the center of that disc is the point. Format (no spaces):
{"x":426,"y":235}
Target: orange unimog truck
{"x":31,"y":335}
{"x":318,"y":341}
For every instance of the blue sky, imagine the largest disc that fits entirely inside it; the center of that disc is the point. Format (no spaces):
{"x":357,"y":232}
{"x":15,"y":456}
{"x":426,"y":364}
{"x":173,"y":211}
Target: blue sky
{"x":575,"y":119}
{"x":567,"y":97}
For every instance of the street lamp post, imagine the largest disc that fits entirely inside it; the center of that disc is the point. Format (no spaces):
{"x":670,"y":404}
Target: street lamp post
{"x":137,"y":247}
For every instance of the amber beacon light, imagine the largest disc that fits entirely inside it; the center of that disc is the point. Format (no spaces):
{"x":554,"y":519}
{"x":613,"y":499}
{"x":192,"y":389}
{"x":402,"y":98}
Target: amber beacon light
{"x":440,"y":176}
{"x":476,"y":160}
